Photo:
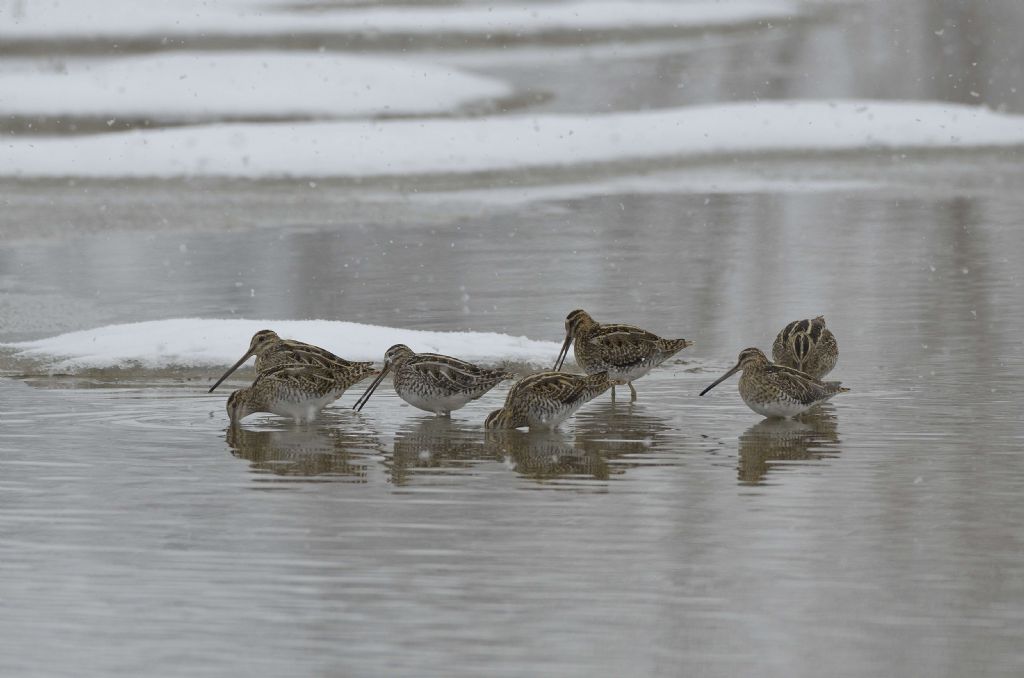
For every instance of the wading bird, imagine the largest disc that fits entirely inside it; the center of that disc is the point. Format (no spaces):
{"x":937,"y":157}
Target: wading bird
{"x":432,"y":382}
{"x":775,"y":390}
{"x":546,"y":399}
{"x":625,"y":352}
{"x":273,"y":351}
{"x":296,"y":391}
{"x":808,"y":346}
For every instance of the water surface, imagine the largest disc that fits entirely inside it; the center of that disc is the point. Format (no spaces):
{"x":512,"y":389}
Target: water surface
{"x":878,"y":535}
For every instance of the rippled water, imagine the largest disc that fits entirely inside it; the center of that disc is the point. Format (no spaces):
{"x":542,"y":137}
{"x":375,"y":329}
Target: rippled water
{"x":879,"y":535}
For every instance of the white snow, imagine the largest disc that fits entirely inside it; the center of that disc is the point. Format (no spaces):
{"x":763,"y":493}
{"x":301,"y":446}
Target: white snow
{"x":194,"y":342}
{"x":501,"y":143}
{"x":267,"y":84}
{"x":172,"y":20}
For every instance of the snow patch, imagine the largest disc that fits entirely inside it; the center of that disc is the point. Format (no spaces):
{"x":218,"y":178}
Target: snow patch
{"x":203,"y":86}
{"x":503,"y":143}
{"x":195,"y":342}
{"x":182,"y":18}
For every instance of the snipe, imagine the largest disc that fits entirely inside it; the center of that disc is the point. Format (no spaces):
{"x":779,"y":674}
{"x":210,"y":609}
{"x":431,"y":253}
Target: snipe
{"x":273,"y":351}
{"x":775,"y":390}
{"x":296,"y":391}
{"x":546,"y":399}
{"x":625,"y":352}
{"x":808,"y":346}
{"x":432,"y":382}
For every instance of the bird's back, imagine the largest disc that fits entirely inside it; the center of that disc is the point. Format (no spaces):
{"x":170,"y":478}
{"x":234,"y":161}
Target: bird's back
{"x":808,"y":346}
{"x":624,"y":346}
{"x":780,"y":383}
{"x":445,"y":374}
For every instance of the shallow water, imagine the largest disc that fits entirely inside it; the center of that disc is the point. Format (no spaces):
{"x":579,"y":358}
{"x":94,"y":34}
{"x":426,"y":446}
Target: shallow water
{"x":879,"y":535}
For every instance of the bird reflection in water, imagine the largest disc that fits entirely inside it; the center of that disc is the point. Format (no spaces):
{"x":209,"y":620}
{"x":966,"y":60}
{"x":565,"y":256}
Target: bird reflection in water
{"x":617,"y":432}
{"x":546,"y":455}
{"x":772,"y":442}
{"x":305,"y":452}
{"x":434,"y":446}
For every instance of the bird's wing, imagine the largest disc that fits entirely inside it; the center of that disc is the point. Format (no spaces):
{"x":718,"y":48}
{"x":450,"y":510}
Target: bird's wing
{"x":805,"y":388}
{"x":624,"y":344}
{"x":308,"y":378}
{"x":556,"y":386}
{"x":308,"y":354}
{"x":445,"y":372}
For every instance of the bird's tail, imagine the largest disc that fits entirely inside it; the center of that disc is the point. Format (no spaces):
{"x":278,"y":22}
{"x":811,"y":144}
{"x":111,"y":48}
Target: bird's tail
{"x":674,"y":345}
{"x":835,"y":386}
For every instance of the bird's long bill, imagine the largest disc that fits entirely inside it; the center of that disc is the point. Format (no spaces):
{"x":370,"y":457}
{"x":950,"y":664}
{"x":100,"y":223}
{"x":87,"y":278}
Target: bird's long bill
{"x":563,"y":353}
{"x":231,"y":369}
{"x":722,"y":378}
{"x":370,"y":389}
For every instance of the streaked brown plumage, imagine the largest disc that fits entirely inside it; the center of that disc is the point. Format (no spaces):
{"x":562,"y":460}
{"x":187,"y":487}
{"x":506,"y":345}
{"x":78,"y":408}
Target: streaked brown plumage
{"x":296,"y":391}
{"x":432,"y":382}
{"x":775,"y":390}
{"x":808,"y":346}
{"x":273,"y":351}
{"x":546,"y":399}
{"x":625,"y":352}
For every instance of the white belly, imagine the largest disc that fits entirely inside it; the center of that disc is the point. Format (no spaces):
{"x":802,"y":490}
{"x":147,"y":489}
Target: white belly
{"x":305,"y":410}
{"x":437,"y":405}
{"x":789,"y":408}
{"x":629,"y":375}
{"x":550,"y":421}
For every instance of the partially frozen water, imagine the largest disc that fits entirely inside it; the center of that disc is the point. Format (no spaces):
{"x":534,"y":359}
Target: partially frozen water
{"x":878,"y":536}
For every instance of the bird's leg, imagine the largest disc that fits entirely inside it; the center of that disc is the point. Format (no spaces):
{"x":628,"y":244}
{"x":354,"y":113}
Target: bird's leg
{"x":613,"y":393}
{"x":632,"y":392}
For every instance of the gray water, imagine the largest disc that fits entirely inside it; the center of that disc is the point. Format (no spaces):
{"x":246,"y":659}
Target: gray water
{"x":879,"y":535}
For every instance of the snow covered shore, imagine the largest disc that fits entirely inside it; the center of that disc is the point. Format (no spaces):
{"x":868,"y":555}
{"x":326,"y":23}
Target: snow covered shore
{"x":508,"y":143}
{"x":195,"y":342}
{"x":183,"y":19}
{"x":209,"y":86}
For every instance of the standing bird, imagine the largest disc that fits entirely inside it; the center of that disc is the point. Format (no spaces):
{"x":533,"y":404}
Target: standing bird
{"x":546,"y":399}
{"x":775,"y":390}
{"x":625,"y":352}
{"x":808,"y":346}
{"x":432,"y":382}
{"x":273,"y":351}
{"x":296,"y":391}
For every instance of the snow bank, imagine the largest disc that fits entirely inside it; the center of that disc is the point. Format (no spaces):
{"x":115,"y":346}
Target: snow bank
{"x":215,"y":85}
{"x":115,"y":19}
{"x":501,"y":143}
{"x":194,"y":342}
